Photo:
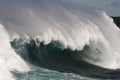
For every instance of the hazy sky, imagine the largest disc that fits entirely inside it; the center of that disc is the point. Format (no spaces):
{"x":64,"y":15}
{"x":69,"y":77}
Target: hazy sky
{"x":112,"y":7}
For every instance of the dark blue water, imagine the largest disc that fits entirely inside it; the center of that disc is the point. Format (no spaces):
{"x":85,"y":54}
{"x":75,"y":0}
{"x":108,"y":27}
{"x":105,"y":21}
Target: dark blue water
{"x":39,"y":73}
{"x":53,"y":62}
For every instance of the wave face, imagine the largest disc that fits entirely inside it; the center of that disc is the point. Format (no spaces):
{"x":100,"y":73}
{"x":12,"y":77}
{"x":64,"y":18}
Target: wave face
{"x":53,"y":56}
{"x":82,"y":36}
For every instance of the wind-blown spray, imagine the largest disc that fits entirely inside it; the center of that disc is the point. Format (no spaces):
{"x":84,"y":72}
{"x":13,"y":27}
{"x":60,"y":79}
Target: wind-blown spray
{"x":74,"y":26}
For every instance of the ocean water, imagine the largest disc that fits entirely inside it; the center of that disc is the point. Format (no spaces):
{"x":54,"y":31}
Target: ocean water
{"x":45,"y":74}
{"x":57,"y":40}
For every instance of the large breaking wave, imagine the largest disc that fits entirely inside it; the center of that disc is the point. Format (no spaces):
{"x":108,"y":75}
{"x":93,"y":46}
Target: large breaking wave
{"x":58,"y":35}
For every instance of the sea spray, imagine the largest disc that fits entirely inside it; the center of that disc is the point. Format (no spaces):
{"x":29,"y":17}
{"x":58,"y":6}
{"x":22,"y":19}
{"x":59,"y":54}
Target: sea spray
{"x":9,"y":60}
{"x":74,"y":26}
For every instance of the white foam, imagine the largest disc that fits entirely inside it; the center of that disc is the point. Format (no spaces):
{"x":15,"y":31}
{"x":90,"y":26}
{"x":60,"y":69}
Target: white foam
{"x":75,"y":26}
{"x":9,"y":60}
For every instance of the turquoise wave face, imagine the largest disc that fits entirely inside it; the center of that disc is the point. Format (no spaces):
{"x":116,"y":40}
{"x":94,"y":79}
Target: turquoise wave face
{"x":54,"y":56}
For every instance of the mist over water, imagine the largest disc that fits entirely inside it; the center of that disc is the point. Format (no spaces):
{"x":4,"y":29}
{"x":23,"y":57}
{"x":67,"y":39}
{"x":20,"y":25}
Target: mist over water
{"x":46,"y":21}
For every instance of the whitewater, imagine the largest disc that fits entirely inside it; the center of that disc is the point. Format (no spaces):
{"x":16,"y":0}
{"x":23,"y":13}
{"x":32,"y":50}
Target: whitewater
{"x":49,"y":26}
